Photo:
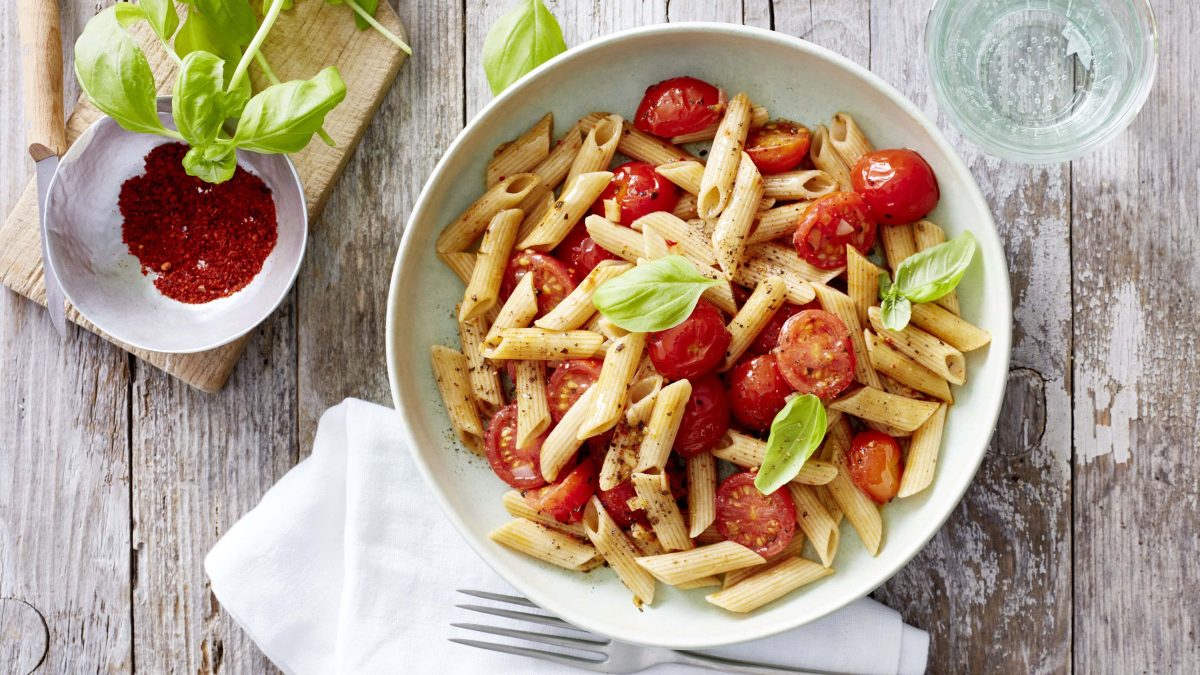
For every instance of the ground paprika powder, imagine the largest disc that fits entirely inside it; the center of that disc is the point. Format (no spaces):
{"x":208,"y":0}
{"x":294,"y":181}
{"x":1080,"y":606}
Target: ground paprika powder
{"x":200,"y":241}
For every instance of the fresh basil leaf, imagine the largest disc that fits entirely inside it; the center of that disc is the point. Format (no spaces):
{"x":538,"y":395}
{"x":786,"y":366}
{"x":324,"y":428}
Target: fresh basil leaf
{"x":368,"y":6}
{"x":287,"y":4}
{"x":199,"y":33}
{"x":896,"y":310}
{"x":652,"y":296}
{"x":283,"y":117}
{"x":796,"y":432}
{"x":114,"y":73}
{"x":521,"y":40}
{"x":928,"y":275}
{"x":885,"y":285}
{"x":213,"y":163}
{"x":198,"y":98}
{"x":233,"y":19}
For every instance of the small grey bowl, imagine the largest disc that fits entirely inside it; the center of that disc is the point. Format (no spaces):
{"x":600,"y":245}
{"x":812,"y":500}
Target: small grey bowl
{"x":104,"y":282}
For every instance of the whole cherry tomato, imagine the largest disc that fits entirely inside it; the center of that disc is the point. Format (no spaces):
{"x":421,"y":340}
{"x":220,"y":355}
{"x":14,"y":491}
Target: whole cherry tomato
{"x":680,"y":105}
{"x":777,"y":146}
{"x":874,"y":464}
{"x":898,"y":185}
{"x":638,"y":190}
{"x":693,"y":347}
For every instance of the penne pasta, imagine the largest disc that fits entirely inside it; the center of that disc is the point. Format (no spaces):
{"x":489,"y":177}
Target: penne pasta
{"x":620,"y":457}
{"x":553,"y":170}
{"x":749,"y":452}
{"x":533,"y":411}
{"x":643,"y":396}
{"x":537,"y":540}
{"x":942,"y":323}
{"x":831,"y":506}
{"x":466,"y":228}
{"x":923,"y":449}
{"x":539,"y":344}
{"x":689,"y":241}
{"x":524,"y":153}
{"x":654,"y":490}
{"x":827,"y":159}
{"x":925,"y":349}
{"x":703,"y":561}
{"x":898,"y":244}
{"x":858,"y":508}
{"x":598,"y":148}
{"x":716,"y":185}
{"x":517,"y":311}
{"x":483,"y":289}
{"x":485,"y":379}
{"x":847,"y":139}
{"x":777,"y":222}
{"x":816,"y":523}
{"x":600,"y":324}
{"x":576,"y":198}
{"x":562,"y":442}
{"x":639,"y":145}
{"x":618,"y":551}
{"x":927,"y":235}
{"x":862,"y":283}
{"x":663,"y":426}
{"x":535,"y":207}
{"x":621,"y":361}
{"x":685,"y":208}
{"x":736,"y":219}
{"x":517,"y":507}
{"x":623,"y":242}
{"x":702,"y":492}
{"x":575,"y":309}
{"x":758,"y":117}
{"x":763,"y":260}
{"x":875,"y":405}
{"x":807,"y":184}
{"x":905,"y":371}
{"x":462,"y":263}
{"x":771,"y":583}
{"x":451,"y":370}
{"x":643,"y":538}
{"x":686,"y":174}
{"x":755,"y":314}
{"x":794,"y":548}
{"x":654,"y":245}
{"x":840,"y":305}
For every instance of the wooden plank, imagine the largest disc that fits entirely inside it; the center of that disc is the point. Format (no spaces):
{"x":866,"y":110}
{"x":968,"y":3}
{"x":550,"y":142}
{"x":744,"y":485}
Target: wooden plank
{"x":704,"y":10}
{"x":840,"y":25}
{"x":1136,"y":242}
{"x":993,"y":587}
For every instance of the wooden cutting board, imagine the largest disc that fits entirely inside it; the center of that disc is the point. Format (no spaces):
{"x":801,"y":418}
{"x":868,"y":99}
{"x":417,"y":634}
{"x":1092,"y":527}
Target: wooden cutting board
{"x":312,"y":35}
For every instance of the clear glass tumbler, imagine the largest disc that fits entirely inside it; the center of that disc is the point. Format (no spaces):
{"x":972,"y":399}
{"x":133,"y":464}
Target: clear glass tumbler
{"x":1041,"y":80}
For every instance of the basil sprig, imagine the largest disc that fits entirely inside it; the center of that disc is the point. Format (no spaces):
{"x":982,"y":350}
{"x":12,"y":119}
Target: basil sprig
{"x":521,"y":40}
{"x":924,"y":277}
{"x":796,"y":433}
{"x":653,"y":296}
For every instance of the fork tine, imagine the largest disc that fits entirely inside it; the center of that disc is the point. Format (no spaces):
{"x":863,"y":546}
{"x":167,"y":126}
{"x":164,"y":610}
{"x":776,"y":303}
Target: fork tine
{"x":499,"y":597}
{"x":521,"y":616}
{"x":563,"y":659}
{"x":558,"y":640}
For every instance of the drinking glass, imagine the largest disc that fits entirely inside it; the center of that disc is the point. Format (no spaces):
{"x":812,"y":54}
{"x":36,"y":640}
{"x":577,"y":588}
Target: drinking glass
{"x":1041,"y":80}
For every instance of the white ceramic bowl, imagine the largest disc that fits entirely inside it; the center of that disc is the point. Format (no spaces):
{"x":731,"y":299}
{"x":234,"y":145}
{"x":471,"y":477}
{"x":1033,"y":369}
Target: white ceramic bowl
{"x":793,"y":79}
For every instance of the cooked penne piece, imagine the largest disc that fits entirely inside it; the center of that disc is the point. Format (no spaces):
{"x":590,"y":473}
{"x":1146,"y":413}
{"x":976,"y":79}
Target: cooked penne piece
{"x":827,"y":159}
{"x":561,"y":443}
{"x":831,"y":505}
{"x":535,"y":207}
{"x":485,"y":379}
{"x":621,"y":241}
{"x":537,"y":540}
{"x":785,"y":262}
{"x":621,"y":456}
{"x":524,"y":153}
{"x":484,"y":288}
{"x":517,"y":311}
{"x":576,"y":198}
{"x":663,"y":425}
{"x":816,"y":523}
{"x":758,"y":117}
{"x":807,"y":184}
{"x":621,"y":361}
{"x":838,"y":437}
{"x":794,"y":548}
{"x":689,"y":241}
{"x":517,"y":507}
{"x":904,"y":370}
{"x":618,"y":551}
{"x":720,"y":295}
{"x":703,"y":582}
{"x":858,"y":508}
{"x":755,"y":314}
{"x":748,"y":452}
{"x":554,"y":168}
{"x":683,"y":566}
{"x":702,"y":492}
{"x":639,"y":145}
{"x":643,"y":395}
{"x":773,"y":582}
{"x":654,"y":245}
{"x":777,"y":222}
{"x":654,"y":489}
{"x":545,"y":345}
{"x":686,"y":174}
{"x":840,"y":305}
{"x":849,"y":141}
{"x":862,"y":282}
{"x":716,"y":185}
{"x":709,"y":536}
{"x":598,"y":148}
{"x":466,"y":228}
{"x":922,"y":457}
{"x":575,"y":309}
{"x":898,"y":244}
{"x":893,"y":387}
{"x":533,"y":411}
{"x":643,"y":538}
{"x":685,"y":208}
{"x":875,"y":405}
{"x":737,"y":217}
{"x":451,"y":370}
{"x":927,"y":235}
{"x":923,"y":348}
{"x":600,"y":324}
{"x":940,"y":322}
{"x":462,"y":263}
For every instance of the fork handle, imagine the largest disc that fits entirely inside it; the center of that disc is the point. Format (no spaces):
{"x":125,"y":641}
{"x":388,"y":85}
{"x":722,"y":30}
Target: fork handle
{"x":735,"y":666}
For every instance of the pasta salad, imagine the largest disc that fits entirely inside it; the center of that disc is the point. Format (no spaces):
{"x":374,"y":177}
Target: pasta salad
{"x":695,"y":365}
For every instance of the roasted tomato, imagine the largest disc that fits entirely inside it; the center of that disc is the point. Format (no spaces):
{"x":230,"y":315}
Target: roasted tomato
{"x":757,"y":391}
{"x":874,"y":463}
{"x":705,"y":417}
{"x":568,"y":382}
{"x":580,"y":253}
{"x":829,"y":224}
{"x":680,"y":105}
{"x":551,"y":280}
{"x":815,"y":354}
{"x":519,"y":467}
{"x":898,"y":186}
{"x":768,"y":337}
{"x":565,"y":498}
{"x":638,"y":190}
{"x":762,"y":523}
{"x":692,"y":348}
{"x":777,"y":146}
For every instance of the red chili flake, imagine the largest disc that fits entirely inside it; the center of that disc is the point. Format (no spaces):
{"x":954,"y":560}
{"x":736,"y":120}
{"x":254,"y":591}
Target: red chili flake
{"x":201,"y":241}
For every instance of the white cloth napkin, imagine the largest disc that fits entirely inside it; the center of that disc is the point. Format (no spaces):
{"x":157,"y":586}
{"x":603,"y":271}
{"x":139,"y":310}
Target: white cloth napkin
{"x":320,"y":576}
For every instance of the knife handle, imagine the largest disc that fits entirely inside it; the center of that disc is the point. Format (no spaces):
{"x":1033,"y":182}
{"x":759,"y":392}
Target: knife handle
{"x":42,"y":77}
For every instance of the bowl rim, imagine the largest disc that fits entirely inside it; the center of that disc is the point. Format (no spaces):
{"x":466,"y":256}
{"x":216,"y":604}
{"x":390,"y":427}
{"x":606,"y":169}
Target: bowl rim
{"x":81,"y":145}
{"x":986,"y":229}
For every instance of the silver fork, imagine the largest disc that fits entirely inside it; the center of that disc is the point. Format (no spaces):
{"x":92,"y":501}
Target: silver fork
{"x":591,"y":651}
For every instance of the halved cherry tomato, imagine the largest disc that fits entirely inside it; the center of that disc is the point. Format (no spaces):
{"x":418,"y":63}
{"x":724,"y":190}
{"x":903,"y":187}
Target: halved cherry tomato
{"x":551,"y":280}
{"x":898,"y":185}
{"x":519,"y":468}
{"x":768,"y":337}
{"x":705,"y":417}
{"x":762,"y":523}
{"x":680,"y":105}
{"x":874,"y":463}
{"x":815,"y":355}
{"x":757,"y":391}
{"x":831,"y":222}
{"x":777,"y":146}
{"x":564,"y":499}
{"x":694,"y":347}
{"x":639,"y":190}
{"x":616,"y":502}
{"x":580,"y":253}
{"x":567,"y":384}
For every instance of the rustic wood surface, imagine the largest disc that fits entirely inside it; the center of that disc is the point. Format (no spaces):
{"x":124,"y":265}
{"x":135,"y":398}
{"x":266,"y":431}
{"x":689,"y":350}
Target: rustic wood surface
{"x":1074,"y":550}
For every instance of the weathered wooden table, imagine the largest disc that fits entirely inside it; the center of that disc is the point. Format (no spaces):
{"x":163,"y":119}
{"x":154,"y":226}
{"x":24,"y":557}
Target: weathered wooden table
{"x":1075,"y":548}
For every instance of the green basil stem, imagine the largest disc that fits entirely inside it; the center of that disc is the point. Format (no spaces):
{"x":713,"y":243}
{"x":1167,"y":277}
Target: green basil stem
{"x":274,"y":79}
{"x":255,"y":44}
{"x":379,"y":27}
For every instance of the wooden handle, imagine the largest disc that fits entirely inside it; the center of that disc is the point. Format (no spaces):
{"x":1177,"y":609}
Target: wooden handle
{"x":42,"y":77}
